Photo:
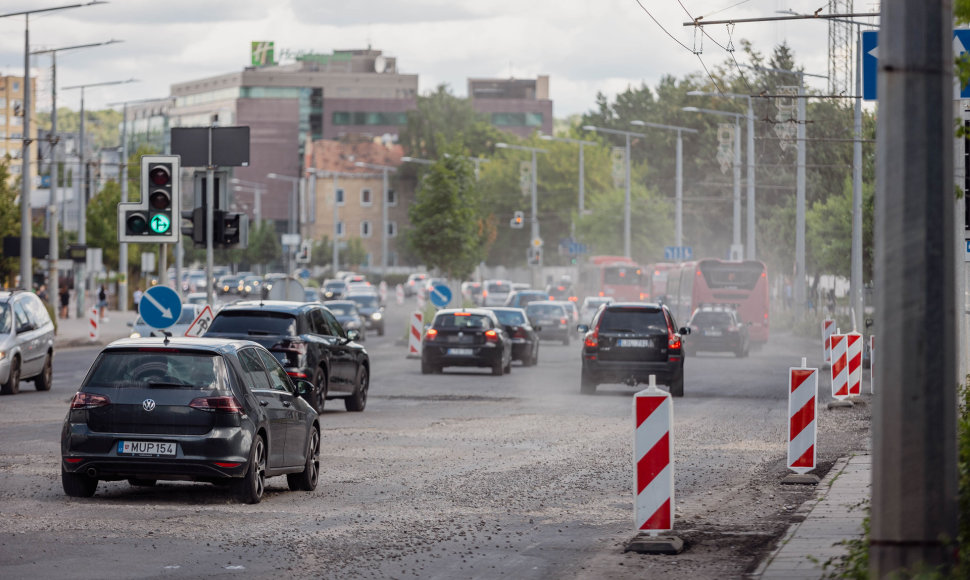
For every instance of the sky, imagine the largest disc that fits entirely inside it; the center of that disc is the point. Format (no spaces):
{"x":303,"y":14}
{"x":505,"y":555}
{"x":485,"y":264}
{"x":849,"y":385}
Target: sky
{"x":585,"y":46}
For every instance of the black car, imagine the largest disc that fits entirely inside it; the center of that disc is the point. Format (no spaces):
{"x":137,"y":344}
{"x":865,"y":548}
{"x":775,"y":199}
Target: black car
{"x":717,"y":330}
{"x":346,"y":313}
{"x":466,"y":338}
{"x":525,"y":340}
{"x":553,"y":321}
{"x":190,"y":409}
{"x":334,"y":289}
{"x":371,"y":310}
{"x":629,"y":341}
{"x":309,"y":343}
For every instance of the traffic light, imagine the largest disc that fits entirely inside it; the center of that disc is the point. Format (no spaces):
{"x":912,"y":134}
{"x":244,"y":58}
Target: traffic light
{"x":230,"y":229}
{"x":534,"y":256}
{"x":303,"y":254}
{"x":518,"y":220}
{"x":152,"y":220}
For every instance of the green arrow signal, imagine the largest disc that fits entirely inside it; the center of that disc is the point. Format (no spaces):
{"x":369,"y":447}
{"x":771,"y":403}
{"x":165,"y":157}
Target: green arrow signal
{"x":160,"y":223}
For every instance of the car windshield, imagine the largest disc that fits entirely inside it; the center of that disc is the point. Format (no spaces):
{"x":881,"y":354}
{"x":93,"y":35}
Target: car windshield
{"x":254,"y":323}
{"x":510,"y":317}
{"x":366,"y":301}
{"x":158,"y":367}
{"x":540,"y":309}
{"x":712,"y":319}
{"x":5,"y":318}
{"x":461,"y":320}
{"x":335,"y":285}
{"x":342,"y":309}
{"x":637,"y":320}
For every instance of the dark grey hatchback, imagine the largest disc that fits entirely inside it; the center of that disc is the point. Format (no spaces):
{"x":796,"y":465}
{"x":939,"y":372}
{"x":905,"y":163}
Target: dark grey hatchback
{"x":189,"y":409}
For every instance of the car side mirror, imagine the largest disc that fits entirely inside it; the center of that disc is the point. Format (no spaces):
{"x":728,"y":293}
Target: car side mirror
{"x":537,"y":328}
{"x":353,"y":334}
{"x":303,"y":387}
{"x":684,"y":330}
{"x":582,"y":327}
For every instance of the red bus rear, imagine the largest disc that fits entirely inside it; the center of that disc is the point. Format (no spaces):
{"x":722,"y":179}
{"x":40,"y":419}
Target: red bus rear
{"x":616,"y":277}
{"x":743,"y":285}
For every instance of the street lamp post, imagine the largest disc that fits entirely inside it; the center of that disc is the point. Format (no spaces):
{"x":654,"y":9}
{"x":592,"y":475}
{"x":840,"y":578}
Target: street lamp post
{"x":626,"y":202}
{"x":750,"y":250}
{"x":534,"y":219}
{"x":294,"y":212}
{"x":679,"y":186}
{"x":26,"y":231}
{"x":384,"y":221}
{"x":736,"y":239}
{"x":52,"y":277}
{"x":82,"y":236}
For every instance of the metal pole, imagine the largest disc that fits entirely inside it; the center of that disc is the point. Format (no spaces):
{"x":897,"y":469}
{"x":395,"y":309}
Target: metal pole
{"x":679,"y":193}
{"x":26,"y":235}
{"x":53,"y":277}
{"x":210,"y":184}
{"x":751,"y":207}
{"x":626,"y":203}
{"x":384,"y":234}
{"x":736,"y":237}
{"x":799,"y":281}
{"x":858,"y":315}
{"x":294,"y":203}
{"x":537,"y":269}
{"x":582,"y":182}
{"x":80,"y":286}
{"x":258,"y":205}
{"x":914,"y":481}
{"x":336,"y":233}
{"x":123,"y":178}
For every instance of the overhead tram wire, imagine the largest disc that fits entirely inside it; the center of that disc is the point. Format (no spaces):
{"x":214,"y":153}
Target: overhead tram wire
{"x":730,"y":51}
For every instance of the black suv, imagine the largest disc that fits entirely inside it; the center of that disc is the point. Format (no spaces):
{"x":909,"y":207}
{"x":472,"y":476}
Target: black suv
{"x":309,"y":343}
{"x":629,"y":341}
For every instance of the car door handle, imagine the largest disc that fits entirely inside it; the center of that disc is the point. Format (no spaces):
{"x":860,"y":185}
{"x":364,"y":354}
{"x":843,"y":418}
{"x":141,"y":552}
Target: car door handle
{"x":263,"y":402}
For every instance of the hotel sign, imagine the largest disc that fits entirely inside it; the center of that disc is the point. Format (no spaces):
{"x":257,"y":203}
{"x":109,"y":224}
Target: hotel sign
{"x":261,"y":53}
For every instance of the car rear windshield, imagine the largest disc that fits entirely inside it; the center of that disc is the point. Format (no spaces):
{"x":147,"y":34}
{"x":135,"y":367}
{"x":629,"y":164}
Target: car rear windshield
{"x":341,"y":309}
{"x":510,"y":317}
{"x":459,"y":320}
{"x":369,"y":301}
{"x":498,"y":287}
{"x":712,"y":318}
{"x":255,"y":323}
{"x":335,"y":285}
{"x":638,"y":320}
{"x":538,"y":308}
{"x":159,"y":368}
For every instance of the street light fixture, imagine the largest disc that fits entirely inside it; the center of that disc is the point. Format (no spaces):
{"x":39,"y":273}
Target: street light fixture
{"x":626,"y":200}
{"x":750,"y":242}
{"x":736,"y":238}
{"x":383,"y":169}
{"x":536,"y":240}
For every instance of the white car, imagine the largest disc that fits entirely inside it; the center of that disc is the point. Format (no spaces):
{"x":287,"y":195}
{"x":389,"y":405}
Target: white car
{"x":189,"y":311}
{"x":590,"y":305}
{"x":494,"y":292}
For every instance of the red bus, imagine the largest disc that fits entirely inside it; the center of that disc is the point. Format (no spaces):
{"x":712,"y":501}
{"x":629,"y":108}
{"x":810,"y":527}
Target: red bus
{"x":616,"y":277}
{"x":656,"y":278}
{"x":743,"y":285}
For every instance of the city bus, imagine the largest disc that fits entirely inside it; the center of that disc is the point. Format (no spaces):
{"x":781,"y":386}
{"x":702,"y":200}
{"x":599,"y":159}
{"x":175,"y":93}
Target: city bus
{"x":741,"y":285}
{"x":616,"y":277}
{"x":655,"y":279}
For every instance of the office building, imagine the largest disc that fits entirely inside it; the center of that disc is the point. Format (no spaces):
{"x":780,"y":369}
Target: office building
{"x":519,"y":106}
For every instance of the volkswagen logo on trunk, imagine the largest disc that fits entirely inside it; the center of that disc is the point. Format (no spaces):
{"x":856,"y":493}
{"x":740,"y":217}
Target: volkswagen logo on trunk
{"x":148,"y":405}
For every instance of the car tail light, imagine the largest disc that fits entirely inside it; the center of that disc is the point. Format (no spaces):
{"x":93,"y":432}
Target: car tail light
{"x":520,"y":332}
{"x":574,"y":298}
{"x":601,"y":293}
{"x":298,"y":374}
{"x":484,"y":293}
{"x":217,"y":404}
{"x":673,"y":340}
{"x":644,"y":296}
{"x":563,"y":321}
{"x":431,"y":334}
{"x":73,"y":459}
{"x":592,"y":338}
{"x":229,"y":465}
{"x":491,"y":335}
{"x":551,"y":297}
{"x":89,"y":401}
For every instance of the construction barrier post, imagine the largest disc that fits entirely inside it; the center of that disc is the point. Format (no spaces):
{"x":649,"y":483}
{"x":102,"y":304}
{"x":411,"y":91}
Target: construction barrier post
{"x":399,"y":294}
{"x":415,"y":331}
{"x":653,"y":473}
{"x":802,"y":424}
{"x":853,"y":347}
{"x":93,"y":324}
{"x":828,"y":328}
{"x":839,"y":371}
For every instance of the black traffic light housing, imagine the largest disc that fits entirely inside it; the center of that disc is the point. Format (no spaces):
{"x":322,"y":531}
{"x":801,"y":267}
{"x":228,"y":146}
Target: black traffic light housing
{"x":155,"y":218}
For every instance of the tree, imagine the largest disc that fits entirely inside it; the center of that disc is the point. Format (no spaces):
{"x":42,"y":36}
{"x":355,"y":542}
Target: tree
{"x":9,"y":224}
{"x":102,"y":224}
{"x":449,"y":228}
{"x":265,"y":247}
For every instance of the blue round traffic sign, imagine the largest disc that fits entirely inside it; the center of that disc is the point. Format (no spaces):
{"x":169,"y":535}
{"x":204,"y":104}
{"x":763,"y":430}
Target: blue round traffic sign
{"x":160,"y":307}
{"x":440,"y":295}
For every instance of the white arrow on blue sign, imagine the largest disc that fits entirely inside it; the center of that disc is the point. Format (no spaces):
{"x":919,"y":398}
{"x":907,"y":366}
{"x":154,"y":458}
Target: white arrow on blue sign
{"x":160,"y":307}
{"x":870,"y":61}
{"x":440,"y":295}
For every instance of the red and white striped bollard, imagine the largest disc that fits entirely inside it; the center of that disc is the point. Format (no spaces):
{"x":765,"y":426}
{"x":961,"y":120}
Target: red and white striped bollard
{"x":653,"y":479}
{"x":416,"y":328}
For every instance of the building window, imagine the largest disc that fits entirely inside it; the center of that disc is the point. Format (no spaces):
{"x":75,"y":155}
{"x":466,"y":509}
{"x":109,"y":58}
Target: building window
{"x":340,"y":196}
{"x":16,"y":86}
{"x":365,"y":197}
{"x":340,"y":229}
{"x":391,"y":197}
{"x":15,"y":121}
{"x":369,"y":118}
{"x":517,"y":119}
{"x":391,"y":229}
{"x":365,"y":229}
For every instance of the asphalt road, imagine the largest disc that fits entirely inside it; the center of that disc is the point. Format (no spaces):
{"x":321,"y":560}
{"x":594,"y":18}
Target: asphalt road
{"x":459,"y":475}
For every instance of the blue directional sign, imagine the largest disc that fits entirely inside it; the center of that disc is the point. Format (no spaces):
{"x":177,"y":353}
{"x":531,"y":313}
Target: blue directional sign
{"x":160,"y":307}
{"x":678,"y":253}
{"x":870,"y":61}
{"x":440,"y":295}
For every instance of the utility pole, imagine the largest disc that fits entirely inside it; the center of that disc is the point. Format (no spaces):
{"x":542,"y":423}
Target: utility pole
{"x":914,"y":479}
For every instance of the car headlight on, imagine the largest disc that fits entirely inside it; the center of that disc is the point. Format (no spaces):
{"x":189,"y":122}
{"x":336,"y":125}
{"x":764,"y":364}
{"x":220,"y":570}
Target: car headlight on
{"x":134,"y":335}
{"x":3,"y":354}
{"x":376,"y":316}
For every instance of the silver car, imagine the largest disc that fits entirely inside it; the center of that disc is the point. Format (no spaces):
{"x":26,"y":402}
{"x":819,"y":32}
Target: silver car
{"x":26,"y":342}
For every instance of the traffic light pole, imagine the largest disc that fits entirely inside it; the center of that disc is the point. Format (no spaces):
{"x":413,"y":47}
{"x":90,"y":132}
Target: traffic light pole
{"x":210,"y":178}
